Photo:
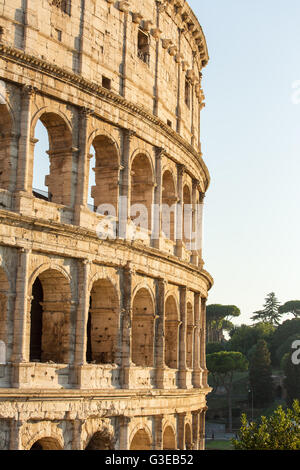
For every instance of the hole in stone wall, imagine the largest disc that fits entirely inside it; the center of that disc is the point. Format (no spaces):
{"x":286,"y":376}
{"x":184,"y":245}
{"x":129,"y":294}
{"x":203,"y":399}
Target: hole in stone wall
{"x":143,"y":47}
{"x":106,"y":82}
{"x":187,"y":93}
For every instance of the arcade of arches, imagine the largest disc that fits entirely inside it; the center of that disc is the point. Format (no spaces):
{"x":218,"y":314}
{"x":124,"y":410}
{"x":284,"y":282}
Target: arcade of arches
{"x":102,"y":319}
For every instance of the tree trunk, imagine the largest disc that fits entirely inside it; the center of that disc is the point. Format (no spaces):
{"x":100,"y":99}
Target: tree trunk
{"x":229,"y":400}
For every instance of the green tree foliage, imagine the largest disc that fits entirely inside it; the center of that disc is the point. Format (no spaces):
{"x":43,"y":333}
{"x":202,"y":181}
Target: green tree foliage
{"x":293,"y":307}
{"x":215,"y":347}
{"x":260,"y":374}
{"x":270,"y":312}
{"x":245,"y":337}
{"x":281,"y":431}
{"x":281,"y":334}
{"x":222,"y":365}
{"x":292,"y":378}
{"x":218,"y":319}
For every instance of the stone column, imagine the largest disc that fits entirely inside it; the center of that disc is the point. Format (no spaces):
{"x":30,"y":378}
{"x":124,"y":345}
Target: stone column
{"x":22,"y":310}
{"x":203,"y":343}
{"x":158,"y":433}
{"x":178,"y":59}
{"x":123,"y":84}
{"x":181,"y":431}
{"x":77,"y":443}
{"x":195,"y":227}
{"x":157,"y":215}
{"x":83,"y":163}
{"x":160,"y":333}
{"x":25,"y":157}
{"x":15,"y":442}
{"x":193,"y":130}
{"x":197,"y":371}
{"x":123,"y":443}
{"x":159,"y":9}
{"x":182,"y":338}
{"x":179,"y":217}
{"x":126,"y":326}
{"x":202,"y":429}
{"x":84,"y":267}
{"x":125,"y":182}
{"x":196,"y":429}
{"x":201,"y":203}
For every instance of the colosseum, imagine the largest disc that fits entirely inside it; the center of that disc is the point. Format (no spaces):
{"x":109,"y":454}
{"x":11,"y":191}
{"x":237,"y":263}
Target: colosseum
{"x":102,"y":335}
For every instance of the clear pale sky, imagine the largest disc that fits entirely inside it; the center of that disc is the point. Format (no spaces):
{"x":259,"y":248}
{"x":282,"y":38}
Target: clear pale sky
{"x":251,"y":145}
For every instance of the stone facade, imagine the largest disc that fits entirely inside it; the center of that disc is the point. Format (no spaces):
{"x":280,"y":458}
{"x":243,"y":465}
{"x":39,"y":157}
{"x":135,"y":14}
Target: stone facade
{"x":102,"y":341}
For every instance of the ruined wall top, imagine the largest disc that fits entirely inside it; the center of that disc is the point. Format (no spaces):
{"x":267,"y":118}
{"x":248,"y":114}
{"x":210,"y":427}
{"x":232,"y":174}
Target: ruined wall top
{"x":151,"y":52}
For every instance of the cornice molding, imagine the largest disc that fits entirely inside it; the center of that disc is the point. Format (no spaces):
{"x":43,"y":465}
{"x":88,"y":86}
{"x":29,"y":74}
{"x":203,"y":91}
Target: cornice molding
{"x":86,"y":86}
{"x":66,"y":230}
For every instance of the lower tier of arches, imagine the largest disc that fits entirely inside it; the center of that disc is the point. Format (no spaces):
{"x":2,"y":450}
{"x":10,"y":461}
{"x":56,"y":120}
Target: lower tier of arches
{"x":57,"y":424}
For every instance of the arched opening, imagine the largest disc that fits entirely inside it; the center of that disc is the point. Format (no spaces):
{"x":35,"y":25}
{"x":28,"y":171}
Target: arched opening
{"x":171,"y":333}
{"x":187,"y":216}
{"x":4,"y":321}
{"x":169,"y":200}
{"x":53,"y":175}
{"x":188,"y":437}
{"x":50,"y":318}
{"x":47,"y":443}
{"x":41,"y":163}
{"x":169,"y":439}
{"x":100,"y":441}
{"x":141,"y":441}
{"x":189,"y":335}
{"x":103,"y":185}
{"x":143,"y":329}
{"x":103,"y":324}
{"x":6,"y":141}
{"x":141,"y":192}
{"x":143,"y":46}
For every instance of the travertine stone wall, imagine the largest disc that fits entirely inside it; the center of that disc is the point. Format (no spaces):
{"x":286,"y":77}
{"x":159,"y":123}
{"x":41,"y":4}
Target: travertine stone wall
{"x":103,"y":339}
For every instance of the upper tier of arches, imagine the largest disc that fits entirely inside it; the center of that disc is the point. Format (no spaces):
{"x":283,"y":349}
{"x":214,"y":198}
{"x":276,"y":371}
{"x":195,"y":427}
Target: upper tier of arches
{"x":150,"y":54}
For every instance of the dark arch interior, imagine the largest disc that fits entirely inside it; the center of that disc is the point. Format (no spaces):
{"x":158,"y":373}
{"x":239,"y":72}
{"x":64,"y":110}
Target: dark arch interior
{"x":36,"y":327}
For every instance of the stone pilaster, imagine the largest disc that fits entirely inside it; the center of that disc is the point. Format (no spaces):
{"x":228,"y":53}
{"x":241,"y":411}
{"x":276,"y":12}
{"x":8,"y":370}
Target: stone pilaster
{"x":197,"y":371}
{"x":179,"y":217}
{"x":182,"y":338}
{"x":158,"y":433}
{"x":157,"y":216}
{"x":203,"y":343}
{"x":77,"y":442}
{"x":202,"y":429}
{"x":126,"y":326}
{"x":84,"y":268}
{"x":195,"y":227}
{"x":123,"y":442}
{"x":160,"y":333}
{"x":26,"y":154}
{"x":125,"y":182}
{"x":15,"y":435}
{"x":22,"y":310}
{"x":196,"y":429}
{"x":81,"y":196}
{"x":181,"y":431}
